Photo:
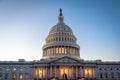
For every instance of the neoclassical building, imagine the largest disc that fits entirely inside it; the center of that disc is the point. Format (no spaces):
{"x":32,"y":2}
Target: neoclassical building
{"x":61,"y":61}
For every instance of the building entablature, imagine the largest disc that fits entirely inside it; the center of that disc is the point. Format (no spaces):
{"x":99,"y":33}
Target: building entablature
{"x":15,"y":63}
{"x":64,"y":44}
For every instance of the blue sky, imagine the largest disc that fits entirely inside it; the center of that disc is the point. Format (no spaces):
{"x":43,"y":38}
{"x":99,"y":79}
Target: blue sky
{"x":24,"y":25}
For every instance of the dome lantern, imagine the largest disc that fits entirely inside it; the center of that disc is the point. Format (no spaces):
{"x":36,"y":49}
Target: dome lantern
{"x":60,"y":17}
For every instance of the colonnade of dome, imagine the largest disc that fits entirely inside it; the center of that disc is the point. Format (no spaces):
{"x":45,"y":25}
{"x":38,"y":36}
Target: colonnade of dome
{"x":61,"y":40}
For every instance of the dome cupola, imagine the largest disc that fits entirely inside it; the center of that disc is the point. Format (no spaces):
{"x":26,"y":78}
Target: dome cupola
{"x":60,"y":40}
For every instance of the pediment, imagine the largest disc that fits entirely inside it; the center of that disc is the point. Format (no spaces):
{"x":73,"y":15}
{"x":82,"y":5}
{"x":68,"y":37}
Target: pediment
{"x":67,"y":60}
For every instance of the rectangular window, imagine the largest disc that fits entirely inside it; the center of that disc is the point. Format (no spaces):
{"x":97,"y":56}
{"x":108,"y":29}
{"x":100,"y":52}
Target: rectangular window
{"x":13,"y":76}
{"x":101,"y":76}
{"x":118,"y":75}
{"x":56,"y":50}
{"x":106,"y":76}
{"x":0,"y":76}
{"x":59,"y":49}
{"x":21,"y":77}
{"x":62,"y":50}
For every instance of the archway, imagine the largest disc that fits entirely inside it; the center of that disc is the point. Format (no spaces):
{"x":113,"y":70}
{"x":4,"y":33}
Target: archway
{"x":65,"y":76}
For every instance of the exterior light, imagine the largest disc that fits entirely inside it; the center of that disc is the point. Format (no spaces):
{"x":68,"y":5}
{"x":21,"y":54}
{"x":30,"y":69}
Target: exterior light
{"x":14,"y":69}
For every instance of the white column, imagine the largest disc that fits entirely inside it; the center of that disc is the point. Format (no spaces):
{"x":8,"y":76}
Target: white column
{"x":50,"y":51}
{"x":55,"y":71}
{"x":38,"y":76}
{"x":68,"y":73}
{"x":46,"y":73}
{"x":59,"y":72}
{"x":42,"y":72}
{"x":81,"y":71}
{"x":50,"y":71}
{"x":17,"y":73}
{"x":9,"y":73}
{"x":95,"y":73}
{"x":76,"y":72}
{"x":72,"y":73}
{"x":53,"y":50}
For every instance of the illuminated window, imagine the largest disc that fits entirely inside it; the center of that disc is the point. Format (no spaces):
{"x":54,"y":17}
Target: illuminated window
{"x":7,"y":69}
{"x":86,"y":72}
{"x":40,"y":73}
{"x":14,"y":69}
{"x":63,"y":50}
{"x":59,"y":49}
{"x":56,"y":50}
{"x":13,"y":76}
{"x":21,"y":77}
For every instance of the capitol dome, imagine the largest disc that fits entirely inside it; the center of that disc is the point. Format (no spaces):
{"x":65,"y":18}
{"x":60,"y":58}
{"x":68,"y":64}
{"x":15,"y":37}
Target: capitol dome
{"x":60,"y":28}
{"x":61,"y":40}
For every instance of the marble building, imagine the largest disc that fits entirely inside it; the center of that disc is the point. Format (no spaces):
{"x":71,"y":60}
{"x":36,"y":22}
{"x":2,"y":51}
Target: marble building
{"x":61,"y":61}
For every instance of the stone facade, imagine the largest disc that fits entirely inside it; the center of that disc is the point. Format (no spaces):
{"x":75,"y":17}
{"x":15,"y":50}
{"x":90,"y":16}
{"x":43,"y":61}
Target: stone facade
{"x":61,"y":61}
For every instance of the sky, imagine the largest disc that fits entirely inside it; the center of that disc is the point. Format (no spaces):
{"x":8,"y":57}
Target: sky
{"x":24,"y":25}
